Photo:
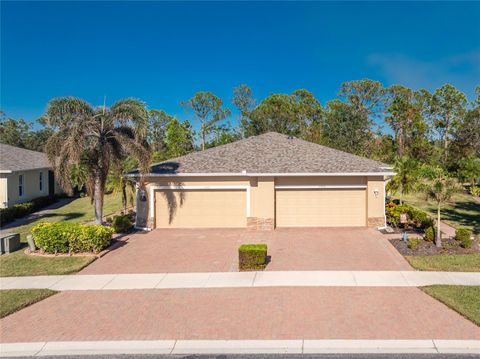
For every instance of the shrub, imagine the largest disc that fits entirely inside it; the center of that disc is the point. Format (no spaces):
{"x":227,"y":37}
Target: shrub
{"x":22,"y":209}
{"x":415,"y":217}
{"x":413,"y":243}
{"x":475,"y":191}
{"x":463,"y":235}
{"x":393,"y":212}
{"x":429,"y":235}
{"x":66,"y":237}
{"x":252,"y":257}
{"x":121,"y":224}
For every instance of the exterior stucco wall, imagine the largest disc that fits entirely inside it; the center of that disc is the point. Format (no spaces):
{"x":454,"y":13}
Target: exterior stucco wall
{"x":3,"y":191}
{"x":376,"y":201}
{"x":31,"y":186}
{"x":262,"y":201}
{"x":321,"y":180}
{"x":262,"y":194}
{"x":9,"y":186}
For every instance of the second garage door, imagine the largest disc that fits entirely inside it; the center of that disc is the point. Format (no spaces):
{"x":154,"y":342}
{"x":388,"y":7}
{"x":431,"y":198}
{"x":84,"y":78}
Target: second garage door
{"x":320,"y":207}
{"x":200,"y":208}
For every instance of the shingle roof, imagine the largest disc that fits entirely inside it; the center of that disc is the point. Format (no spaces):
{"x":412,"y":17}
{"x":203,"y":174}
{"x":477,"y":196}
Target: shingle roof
{"x":19,"y":159}
{"x":269,"y":153}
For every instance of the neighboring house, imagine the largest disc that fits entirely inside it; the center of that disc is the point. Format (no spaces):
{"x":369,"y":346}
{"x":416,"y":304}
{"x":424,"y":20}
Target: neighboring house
{"x":264,"y":182}
{"x":24,"y":175}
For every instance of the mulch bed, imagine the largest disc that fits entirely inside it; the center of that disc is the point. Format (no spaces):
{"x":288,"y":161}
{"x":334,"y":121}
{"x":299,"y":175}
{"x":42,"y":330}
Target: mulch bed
{"x":425,"y":248}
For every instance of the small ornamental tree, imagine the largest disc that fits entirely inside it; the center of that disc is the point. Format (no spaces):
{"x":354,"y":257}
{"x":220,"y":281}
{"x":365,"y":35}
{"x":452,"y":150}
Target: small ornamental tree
{"x":438,"y":187}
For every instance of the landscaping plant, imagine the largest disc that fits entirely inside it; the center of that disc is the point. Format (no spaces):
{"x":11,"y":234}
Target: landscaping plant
{"x":95,"y":138}
{"x":439,"y":187}
{"x":67,"y":237}
{"x":413,"y":243}
{"x":122,"y":224}
{"x":22,"y":209}
{"x":463,"y":235}
{"x":429,"y":234}
{"x":252,"y":257}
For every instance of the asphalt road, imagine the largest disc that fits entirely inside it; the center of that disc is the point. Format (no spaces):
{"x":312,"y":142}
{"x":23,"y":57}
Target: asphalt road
{"x":273,"y":356}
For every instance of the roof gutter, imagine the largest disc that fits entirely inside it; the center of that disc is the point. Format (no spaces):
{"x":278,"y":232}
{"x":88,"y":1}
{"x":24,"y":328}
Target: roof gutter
{"x":245,"y":174}
{"x":6,"y":171}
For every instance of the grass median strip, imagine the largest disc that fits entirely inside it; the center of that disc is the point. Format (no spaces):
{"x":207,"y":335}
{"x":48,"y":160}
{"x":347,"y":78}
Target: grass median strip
{"x":446,"y":263}
{"x":12,"y":300}
{"x":463,"y":299}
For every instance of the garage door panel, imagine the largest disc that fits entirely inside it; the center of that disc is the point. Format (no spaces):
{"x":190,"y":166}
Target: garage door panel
{"x":320,"y":207}
{"x":200,"y":208}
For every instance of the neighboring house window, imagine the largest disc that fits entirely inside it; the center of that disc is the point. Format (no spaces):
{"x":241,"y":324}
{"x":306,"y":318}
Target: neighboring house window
{"x":20,"y":186}
{"x":40,"y":181}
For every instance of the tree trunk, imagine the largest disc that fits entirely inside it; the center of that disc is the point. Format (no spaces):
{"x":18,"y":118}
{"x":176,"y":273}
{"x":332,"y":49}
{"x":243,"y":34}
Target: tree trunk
{"x":401,"y":193}
{"x":400,"y":148}
{"x":203,"y":137}
{"x":124,"y":195}
{"x":438,"y":241}
{"x":445,"y":139}
{"x":98,"y":192}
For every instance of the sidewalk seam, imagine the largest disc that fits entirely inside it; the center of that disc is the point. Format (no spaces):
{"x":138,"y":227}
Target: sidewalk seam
{"x":173,"y":347}
{"x":43,"y":346}
{"x":110,"y":281}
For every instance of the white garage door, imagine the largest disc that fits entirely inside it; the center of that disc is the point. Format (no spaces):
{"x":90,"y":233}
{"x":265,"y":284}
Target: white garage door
{"x":200,"y":208}
{"x":320,"y":207}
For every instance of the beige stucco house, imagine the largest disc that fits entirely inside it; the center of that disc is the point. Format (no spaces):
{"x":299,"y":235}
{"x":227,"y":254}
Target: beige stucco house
{"x":264,"y":182}
{"x":24,"y":175}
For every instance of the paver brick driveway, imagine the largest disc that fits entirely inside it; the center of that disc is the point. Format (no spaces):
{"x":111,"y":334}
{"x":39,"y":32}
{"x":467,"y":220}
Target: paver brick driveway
{"x":215,"y":250}
{"x":238,"y":313}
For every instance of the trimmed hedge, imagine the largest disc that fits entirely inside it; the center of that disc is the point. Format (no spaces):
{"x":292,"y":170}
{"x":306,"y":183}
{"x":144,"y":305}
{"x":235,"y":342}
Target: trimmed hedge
{"x":66,"y":237}
{"x":122,"y":224}
{"x":463,"y":235}
{"x":22,"y":209}
{"x":252,"y":257}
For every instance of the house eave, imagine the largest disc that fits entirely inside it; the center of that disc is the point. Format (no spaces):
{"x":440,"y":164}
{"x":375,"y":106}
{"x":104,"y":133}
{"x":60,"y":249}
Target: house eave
{"x":251,"y":174}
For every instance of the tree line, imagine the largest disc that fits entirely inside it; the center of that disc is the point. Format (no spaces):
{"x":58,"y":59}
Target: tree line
{"x":92,"y":146}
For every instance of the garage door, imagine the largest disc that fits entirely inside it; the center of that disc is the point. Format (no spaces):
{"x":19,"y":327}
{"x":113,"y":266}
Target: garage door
{"x":320,"y":207}
{"x":200,"y":208}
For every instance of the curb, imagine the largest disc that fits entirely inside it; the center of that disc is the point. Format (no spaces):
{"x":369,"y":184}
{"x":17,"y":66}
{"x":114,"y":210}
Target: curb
{"x":239,"y":347}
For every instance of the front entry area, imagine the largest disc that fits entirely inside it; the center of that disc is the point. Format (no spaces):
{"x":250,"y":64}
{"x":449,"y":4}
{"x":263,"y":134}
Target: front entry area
{"x":320,"y":207}
{"x":200,"y":208}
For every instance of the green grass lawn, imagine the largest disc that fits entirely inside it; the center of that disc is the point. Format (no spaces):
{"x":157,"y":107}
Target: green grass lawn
{"x":463,"y":299}
{"x":462,"y":211}
{"x":448,"y":263}
{"x":20,"y":264}
{"x":13,"y":300}
{"x":79,"y":210}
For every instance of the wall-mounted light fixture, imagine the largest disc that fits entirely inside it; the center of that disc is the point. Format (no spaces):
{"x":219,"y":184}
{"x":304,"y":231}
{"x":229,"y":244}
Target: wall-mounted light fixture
{"x":376,"y":192}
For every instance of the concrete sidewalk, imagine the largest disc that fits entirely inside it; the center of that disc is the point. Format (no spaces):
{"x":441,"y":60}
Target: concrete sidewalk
{"x":242,"y":279}
{"x":238,"y":347}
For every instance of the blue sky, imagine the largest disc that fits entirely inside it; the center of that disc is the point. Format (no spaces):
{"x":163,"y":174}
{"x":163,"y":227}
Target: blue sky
{"x":163,"y":52}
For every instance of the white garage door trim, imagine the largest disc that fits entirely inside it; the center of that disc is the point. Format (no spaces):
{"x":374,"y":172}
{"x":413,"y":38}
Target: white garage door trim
{"x":156,"y":188}
{"x":313,"y":187}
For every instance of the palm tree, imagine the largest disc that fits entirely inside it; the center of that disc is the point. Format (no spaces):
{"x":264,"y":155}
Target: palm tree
{"x":439,"y":188}
{"x":95,"y":138}
{"x":406,"y":176}
{"x":118,"y":183}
